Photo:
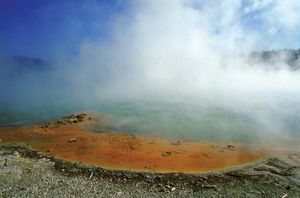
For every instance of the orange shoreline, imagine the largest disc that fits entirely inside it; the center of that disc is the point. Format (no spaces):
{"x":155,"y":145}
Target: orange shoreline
{"x":68,"y":140}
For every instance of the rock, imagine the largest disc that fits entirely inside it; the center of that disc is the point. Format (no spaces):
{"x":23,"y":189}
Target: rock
{"x":59,"y":122}
{"x":16,"y":154}
{"x":119,"y":193}
{"x":73,"y":120}
{"x":230,"y":147}
{"x":80,"y":116}
{"x":166,"y":154}
{"x":91,"y":175}
{"x":72,"y":140}
{"x":160,"y":188}
{"x":40,"y":155}
{"x":288,"y":187}
{"x":205,"y":155}
{"x":284,"y":196}
{"x":44,"y":126}
{"x":68,"y":117}
{"x":208,"y":186}
{"x":0,"y":140}
{"x":176,"y":143}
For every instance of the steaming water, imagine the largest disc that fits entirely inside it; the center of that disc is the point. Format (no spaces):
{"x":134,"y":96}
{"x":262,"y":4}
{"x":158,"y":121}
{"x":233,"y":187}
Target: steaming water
{"x":177,"y":120}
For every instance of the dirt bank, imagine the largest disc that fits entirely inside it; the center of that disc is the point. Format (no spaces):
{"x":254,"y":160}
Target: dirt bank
{"x":26,"y":173}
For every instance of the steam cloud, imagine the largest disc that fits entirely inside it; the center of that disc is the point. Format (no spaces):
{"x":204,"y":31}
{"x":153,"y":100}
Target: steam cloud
{"x":186,"y":51}
{"x":189,"y":48}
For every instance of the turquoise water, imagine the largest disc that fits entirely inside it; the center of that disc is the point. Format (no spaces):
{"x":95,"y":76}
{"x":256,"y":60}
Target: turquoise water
{"x":175,"y":120}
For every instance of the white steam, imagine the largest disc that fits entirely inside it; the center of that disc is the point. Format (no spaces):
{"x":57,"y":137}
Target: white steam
{"x":188,"y":48}
{"x":193,"y":51}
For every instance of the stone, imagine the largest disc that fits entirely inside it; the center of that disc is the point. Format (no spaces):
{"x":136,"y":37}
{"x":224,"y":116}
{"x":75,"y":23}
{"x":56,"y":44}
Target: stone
{"x":208,"y":186}
{"x":72,"y":140}
{"x":288,"y":187}
{"x":205,"y":155}
{"x":166,"y":154}
{"x":119,"y":193}
{"x":176,"y":143}
{"x":16,"y":154}
{"x":230,"y":147}
{"x":80,"y":116}
{"x":72,"y":120}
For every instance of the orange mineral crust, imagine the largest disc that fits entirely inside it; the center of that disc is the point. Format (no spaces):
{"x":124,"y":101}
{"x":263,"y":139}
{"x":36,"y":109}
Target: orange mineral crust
{"x":68,"y":140}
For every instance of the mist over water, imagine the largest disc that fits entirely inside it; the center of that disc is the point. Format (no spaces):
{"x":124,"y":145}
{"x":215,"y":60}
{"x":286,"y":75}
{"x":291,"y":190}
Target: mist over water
{"x":177,"y":69}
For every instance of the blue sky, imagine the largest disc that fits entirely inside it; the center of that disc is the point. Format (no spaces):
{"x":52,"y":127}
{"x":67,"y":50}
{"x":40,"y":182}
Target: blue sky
{"x":48,"y":28}
{"x":35,"y":28}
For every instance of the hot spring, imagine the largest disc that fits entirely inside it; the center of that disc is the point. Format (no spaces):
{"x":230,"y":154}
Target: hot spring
{"x":199,"y":121}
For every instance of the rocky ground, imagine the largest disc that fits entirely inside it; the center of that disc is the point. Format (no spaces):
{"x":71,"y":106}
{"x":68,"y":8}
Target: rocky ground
{"x":26,"y":173}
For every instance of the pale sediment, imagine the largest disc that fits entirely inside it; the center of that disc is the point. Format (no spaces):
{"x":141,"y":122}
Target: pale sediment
{"x":27,"y":173}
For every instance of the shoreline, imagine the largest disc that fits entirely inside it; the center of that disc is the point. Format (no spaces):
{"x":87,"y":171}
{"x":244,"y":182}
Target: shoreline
{"x":31,"y":167}
{"x":70,"y":139}
{"x":252,"y":179}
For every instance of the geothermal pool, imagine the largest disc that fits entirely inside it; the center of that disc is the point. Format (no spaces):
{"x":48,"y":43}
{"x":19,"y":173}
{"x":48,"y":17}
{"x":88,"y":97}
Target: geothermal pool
{"x":194,"y":121}
{"x":68,"y":139}
{"x":149,"y":137}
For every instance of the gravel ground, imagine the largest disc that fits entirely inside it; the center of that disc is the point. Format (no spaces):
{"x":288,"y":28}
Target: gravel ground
{"x":26,"y":173}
